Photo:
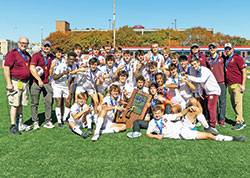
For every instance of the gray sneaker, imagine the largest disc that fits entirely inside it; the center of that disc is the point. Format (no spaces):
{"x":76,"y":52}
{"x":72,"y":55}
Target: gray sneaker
{"x":89,"y":131}
{"x":239,"y":138}
{"x":238,"y":126}
{"x":14,"y":131}
{"x":49,"y":125}
{"x":85,"y":135}
{"x":211,"y":130}
{"x":60,"y":126}
{"x":36,"y":126}
{"x":24,"y":127}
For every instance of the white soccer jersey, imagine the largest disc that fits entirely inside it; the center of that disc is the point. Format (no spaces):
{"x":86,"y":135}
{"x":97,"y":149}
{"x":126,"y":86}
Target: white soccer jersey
{"x":130,"y":69}
{"x":175,"y":130}
{"x":100,"y":58}
{"x":183,"y":88}
{"x":91,"y":78}
{"x":150,"y":77}
{"x":64,"y":81}
{"x":158,"y":58}
{"x":207,"y":81}
{"x":107,"y":81}
{"x":75,"y":109}
{"x":108,"y":101}
{"x":124,"y":88}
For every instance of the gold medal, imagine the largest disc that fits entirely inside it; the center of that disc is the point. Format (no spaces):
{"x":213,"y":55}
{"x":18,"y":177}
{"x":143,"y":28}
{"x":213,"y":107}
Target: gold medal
{"x":179,"y":91}
{"x":66,"y":81}
{"x":226,"y":69}
{"x":45,"y":67}
{"x":26,"y":64}
{"x":212,"y":68}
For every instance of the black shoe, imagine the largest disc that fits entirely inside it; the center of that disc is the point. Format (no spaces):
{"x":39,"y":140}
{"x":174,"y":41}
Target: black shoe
{"x":65,"y":122}
{"x":211,"y":130}
{"x":239,"y":138}
{"x":85,"y":135}
{"x":14,"y":131}
{"x":89,"y":132}
{"x":60,"y":126}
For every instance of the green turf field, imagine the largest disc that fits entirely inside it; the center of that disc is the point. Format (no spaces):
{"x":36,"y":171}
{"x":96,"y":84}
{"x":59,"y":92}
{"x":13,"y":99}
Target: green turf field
{"x":60,"y":153}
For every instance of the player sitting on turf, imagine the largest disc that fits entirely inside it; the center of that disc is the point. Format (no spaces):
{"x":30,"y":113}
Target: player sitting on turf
{"x":62,"y":87}
{"x":80,"y":116}
{"x":105,"y":122}
{"x":173,"y":126}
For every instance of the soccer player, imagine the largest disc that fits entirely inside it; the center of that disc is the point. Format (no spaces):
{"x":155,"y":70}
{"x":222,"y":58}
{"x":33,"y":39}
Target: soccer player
{"x":106,"y":119}
{"x":80,"y":116}
{"x":140,"y":63}
{"x":166,"y":52}
{"x":140,"y":81}
{"x":151,"y":72}
{"x":215,"y":62}
{"x":154,"y":55}
{"x":208,"y":82}
{"x":81,"y":59}
{"x":63,"y":86}
{"x":107,"y":48}
{"x":195,"y":53}
{"x":236,"y":76}
{"x":17,"y":75}
{"x":174,"y":60}
{"x":175,"y":127}
{"x":109,"y":73}
{"x":96,"y":54}
{"x":118,"y":56}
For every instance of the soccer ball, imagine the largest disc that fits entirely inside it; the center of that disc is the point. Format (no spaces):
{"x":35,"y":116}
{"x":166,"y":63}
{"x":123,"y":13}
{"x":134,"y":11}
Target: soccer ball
{"x":39,"y":70}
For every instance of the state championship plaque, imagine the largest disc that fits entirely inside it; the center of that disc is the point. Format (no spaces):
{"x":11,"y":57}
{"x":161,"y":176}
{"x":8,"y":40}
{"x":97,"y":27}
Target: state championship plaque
{"x":136,"y":108}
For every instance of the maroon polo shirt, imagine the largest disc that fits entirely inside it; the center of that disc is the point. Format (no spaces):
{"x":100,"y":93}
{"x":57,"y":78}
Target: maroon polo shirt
{"x":202,"y":59}
{"x":38,"y":60}
{"x":234,"y":69}
{"x":19,"y":68}
{"x":217,"y":69}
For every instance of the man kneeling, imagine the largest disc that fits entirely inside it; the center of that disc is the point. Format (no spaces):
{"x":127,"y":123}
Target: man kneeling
{"x":173,"y":126}
{"x":105,"y":121}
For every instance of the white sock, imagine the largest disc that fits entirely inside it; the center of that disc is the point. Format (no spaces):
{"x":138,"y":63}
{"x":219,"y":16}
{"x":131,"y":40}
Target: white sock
{"x":89,"y":121}
{"x":77,"y":130}
{"x":99,"y":125}
{"x":110,"y":130}
{"x":66,"y":113}
{"x":224,"y":138}
{"x":58,"y":115}
{"x":201,"y":118}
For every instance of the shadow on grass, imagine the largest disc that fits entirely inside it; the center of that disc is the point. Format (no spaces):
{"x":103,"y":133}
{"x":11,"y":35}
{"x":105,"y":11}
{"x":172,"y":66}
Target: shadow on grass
{"x":231,"y":122}
{"x":41,"y":117}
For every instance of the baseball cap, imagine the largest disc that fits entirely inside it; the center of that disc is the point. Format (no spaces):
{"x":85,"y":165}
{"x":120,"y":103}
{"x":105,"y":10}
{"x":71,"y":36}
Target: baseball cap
{"x":194,"y":45}
{"x":212,"y":44}
{"x":47,"y":43}
{"x":228,"y":45}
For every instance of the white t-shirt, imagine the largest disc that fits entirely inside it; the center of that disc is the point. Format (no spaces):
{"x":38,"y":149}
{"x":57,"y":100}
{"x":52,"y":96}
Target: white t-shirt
{"x":124,"y":88}
{"x":106,"y":71}
{"x":100,"y":58}
{"x":158,"y":58}
{"x":173,"y":94}
{"x":76,"y":109}
{"x":130,"y":69}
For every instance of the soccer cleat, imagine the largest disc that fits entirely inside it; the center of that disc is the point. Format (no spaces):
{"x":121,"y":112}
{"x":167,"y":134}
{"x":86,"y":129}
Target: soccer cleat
{"x":238,"y":126}
{"x":211,"y":130}
{"x":95,"y":137}
{"x":49,"y":125}
{"x":65,"y":122}
{"x":222,"y":124}
{"x":60,"y":126}
{"x":134,"y":134}
{"x":36,"y":126}
{"x":89,"y":132}
{"x":14,"y":131}
{"x":244,"y":123}
{"x":239,"y":138}
{"x":85,"y":135}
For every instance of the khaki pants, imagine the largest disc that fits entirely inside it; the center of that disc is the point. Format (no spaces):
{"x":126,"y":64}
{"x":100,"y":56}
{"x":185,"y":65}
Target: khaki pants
{"x":236,"y":98}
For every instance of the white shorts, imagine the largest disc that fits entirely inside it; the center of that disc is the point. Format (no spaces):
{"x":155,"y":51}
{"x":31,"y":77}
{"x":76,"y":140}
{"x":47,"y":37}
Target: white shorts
{"x":80,"y":89}
{"x":188,"y":134}
{"x":107,"y":126}
{"x":80,"y":125}
{"x":60,"y":92}
{"x":90,"y":91}
{"x":187,"y":123}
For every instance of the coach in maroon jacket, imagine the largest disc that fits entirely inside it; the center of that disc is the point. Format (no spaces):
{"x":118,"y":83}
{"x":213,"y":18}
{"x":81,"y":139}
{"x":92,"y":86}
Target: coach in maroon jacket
{"x":195,"y":53}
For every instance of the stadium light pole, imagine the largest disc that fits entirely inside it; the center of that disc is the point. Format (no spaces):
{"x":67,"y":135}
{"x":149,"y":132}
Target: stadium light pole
{"x":114,"y":22}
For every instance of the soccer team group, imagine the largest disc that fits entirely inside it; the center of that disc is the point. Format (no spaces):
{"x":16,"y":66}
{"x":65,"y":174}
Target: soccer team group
{"x":185,"y":89}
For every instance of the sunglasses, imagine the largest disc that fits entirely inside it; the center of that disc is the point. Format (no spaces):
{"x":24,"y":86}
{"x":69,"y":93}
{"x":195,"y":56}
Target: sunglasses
{"x":212,"y":47}
{"x":227,"y":48}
